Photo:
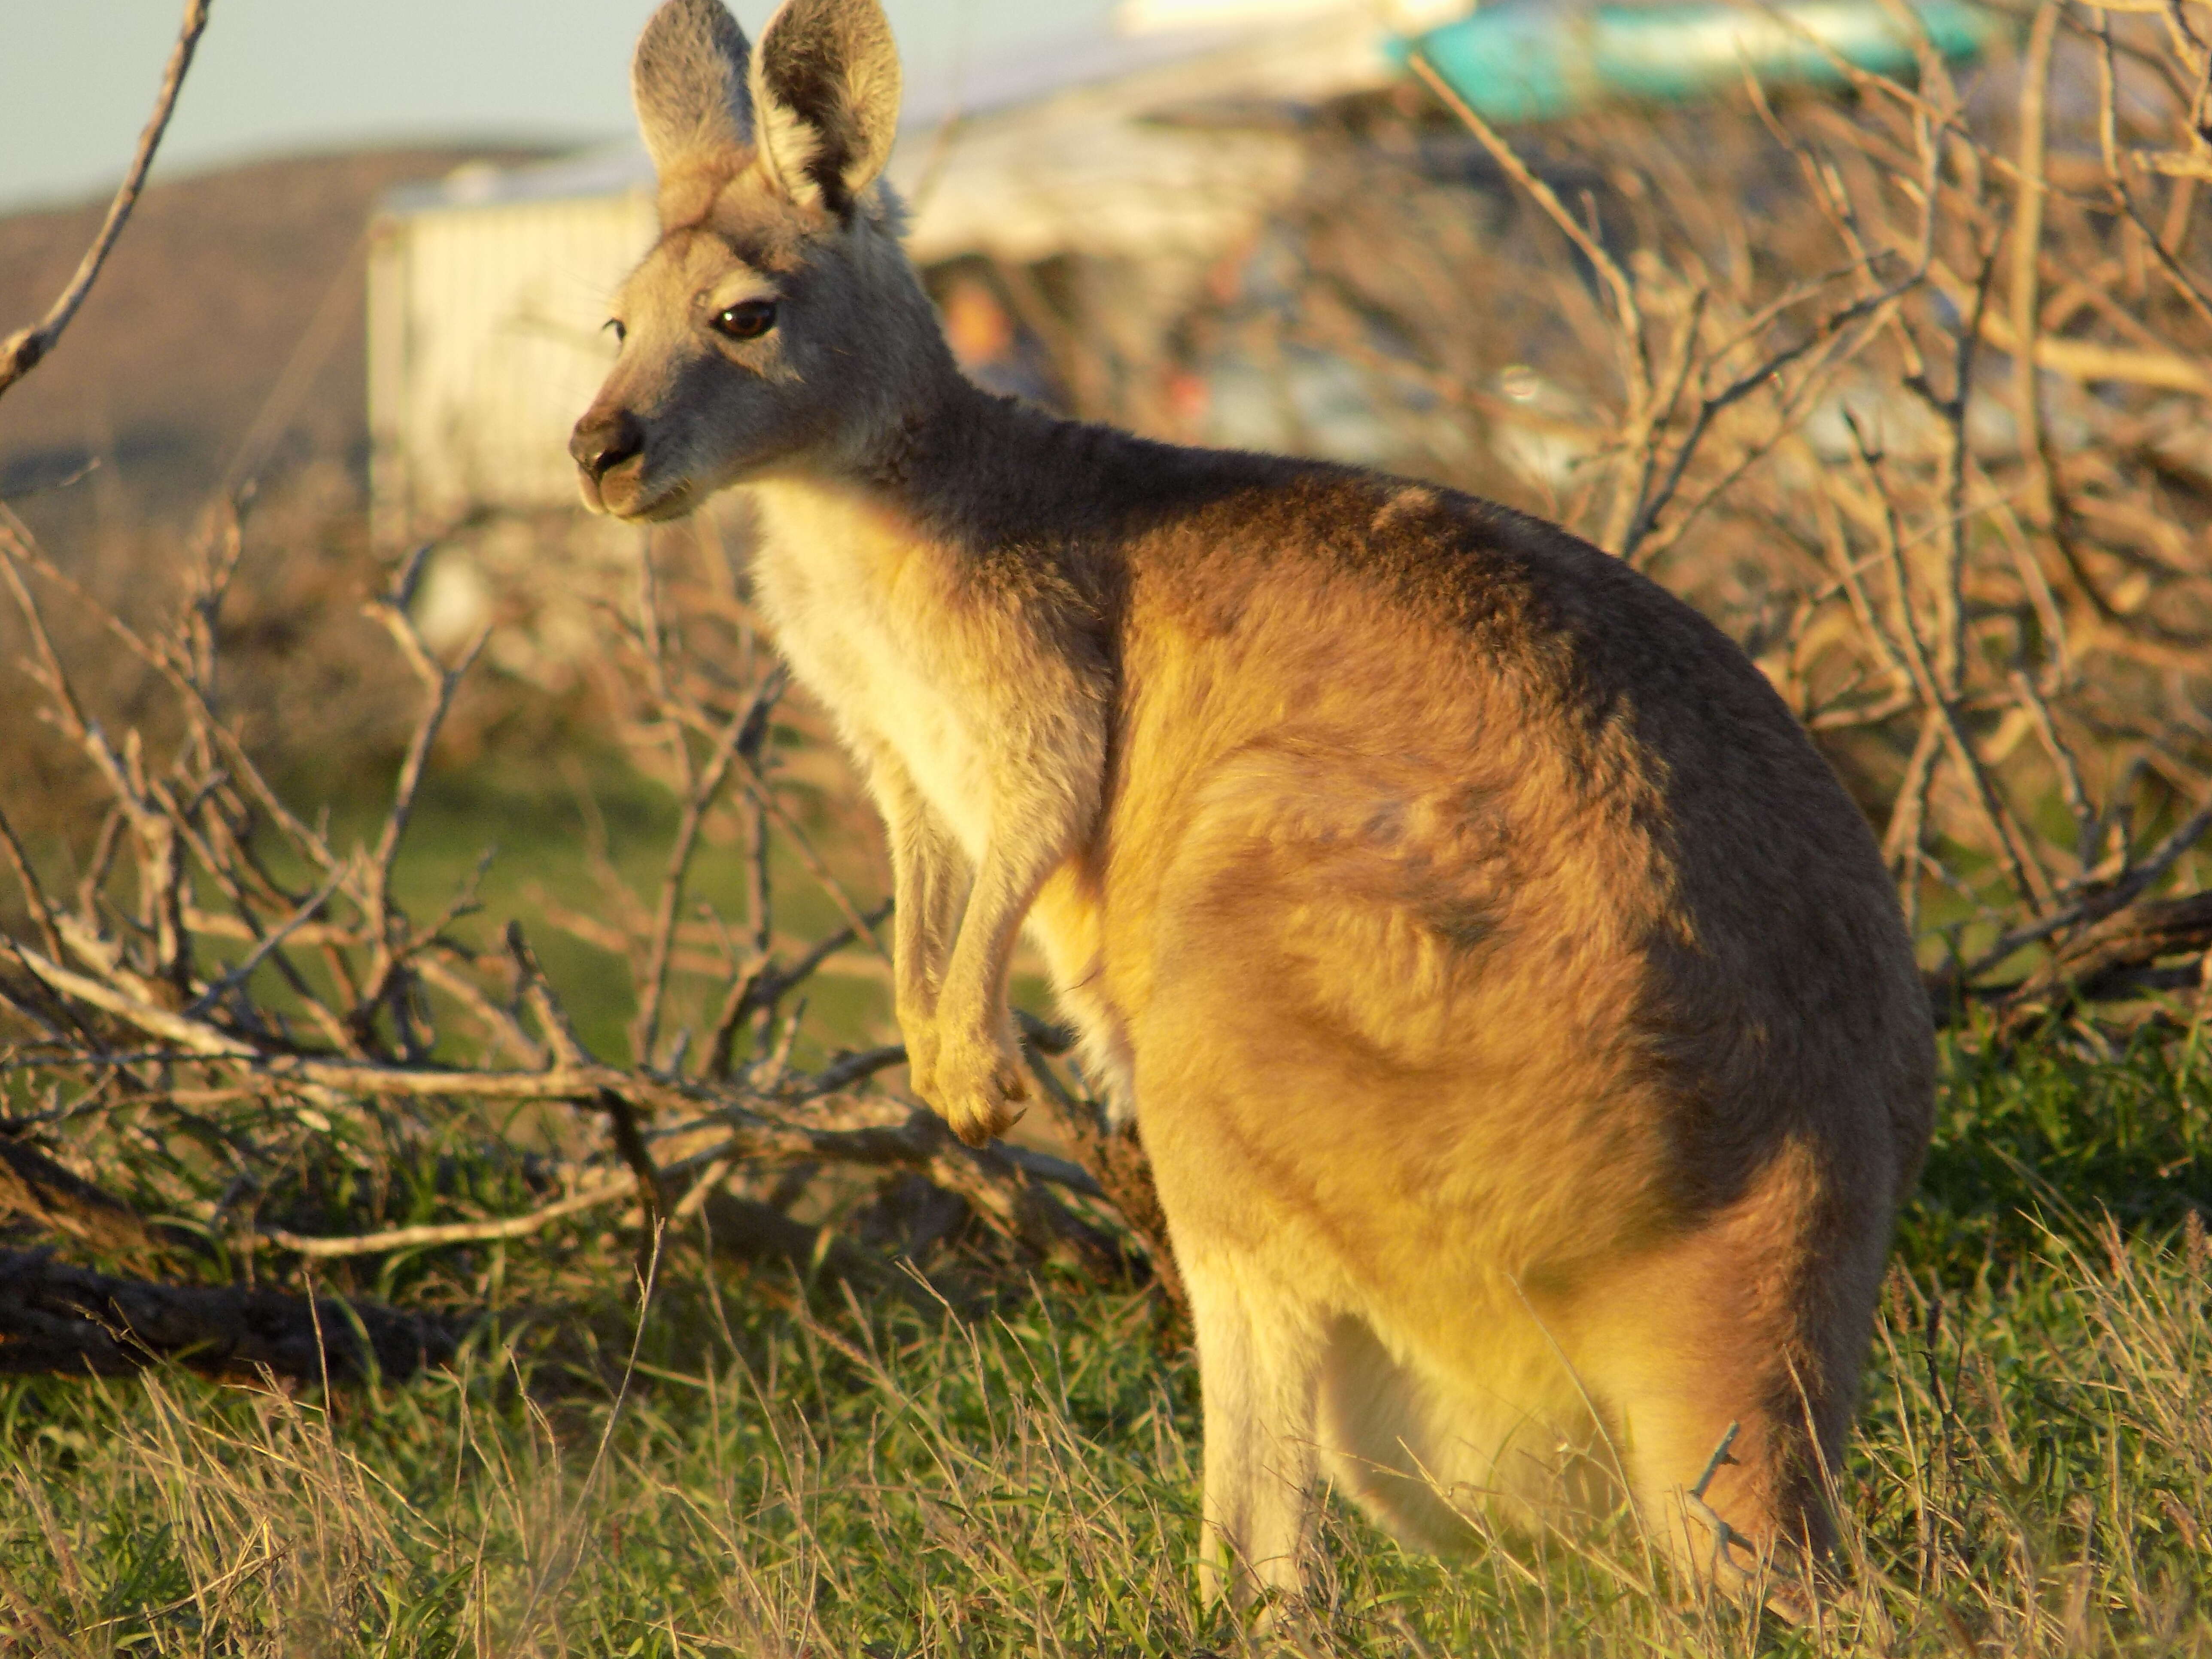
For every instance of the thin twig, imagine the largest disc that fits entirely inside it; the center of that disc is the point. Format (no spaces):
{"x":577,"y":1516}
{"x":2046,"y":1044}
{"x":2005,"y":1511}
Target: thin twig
{"x":21,"y":351}
{"x":34,"y":896}
{"x":456,"y":1232}
{"x":705,"y":790}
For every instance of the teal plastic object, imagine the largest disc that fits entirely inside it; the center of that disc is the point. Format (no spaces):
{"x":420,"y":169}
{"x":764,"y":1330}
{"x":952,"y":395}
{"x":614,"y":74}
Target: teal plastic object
{"x":1529,"y":60}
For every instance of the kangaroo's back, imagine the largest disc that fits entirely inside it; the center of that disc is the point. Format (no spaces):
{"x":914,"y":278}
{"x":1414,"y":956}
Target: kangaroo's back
{"x":1514,"y":1007}
{"x":1484,"y":798}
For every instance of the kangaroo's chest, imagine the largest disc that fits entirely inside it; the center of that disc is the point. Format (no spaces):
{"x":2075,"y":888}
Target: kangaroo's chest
{"x":862,"y":634}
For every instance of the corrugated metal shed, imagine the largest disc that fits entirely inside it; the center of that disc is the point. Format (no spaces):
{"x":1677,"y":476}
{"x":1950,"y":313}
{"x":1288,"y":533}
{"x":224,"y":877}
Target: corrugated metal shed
{"x":487,"y":292}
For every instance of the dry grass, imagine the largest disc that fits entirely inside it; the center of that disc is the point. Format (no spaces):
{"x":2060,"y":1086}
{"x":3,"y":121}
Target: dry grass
{"x":2034,"y":1475}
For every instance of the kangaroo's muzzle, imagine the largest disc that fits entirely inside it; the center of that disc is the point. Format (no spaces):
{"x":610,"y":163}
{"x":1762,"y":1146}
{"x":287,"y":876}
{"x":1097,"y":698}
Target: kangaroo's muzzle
{"x":609,"y":450}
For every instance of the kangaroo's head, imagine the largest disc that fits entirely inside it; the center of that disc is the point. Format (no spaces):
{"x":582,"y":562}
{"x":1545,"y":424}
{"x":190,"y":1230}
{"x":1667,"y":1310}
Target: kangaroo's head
{"x":777,"y":324}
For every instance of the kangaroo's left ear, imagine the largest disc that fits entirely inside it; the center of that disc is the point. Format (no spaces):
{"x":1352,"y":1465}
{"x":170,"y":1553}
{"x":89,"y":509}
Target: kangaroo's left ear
{"x":825,"y":96}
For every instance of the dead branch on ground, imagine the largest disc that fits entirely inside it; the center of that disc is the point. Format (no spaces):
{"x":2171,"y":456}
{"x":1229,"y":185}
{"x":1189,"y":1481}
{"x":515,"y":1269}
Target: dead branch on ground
{"x":56,"y":1317}
{"x":229,"y":976}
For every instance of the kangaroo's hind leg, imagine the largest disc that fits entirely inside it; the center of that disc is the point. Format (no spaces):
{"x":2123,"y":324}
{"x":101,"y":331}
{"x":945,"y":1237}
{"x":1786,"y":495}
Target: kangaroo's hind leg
{"x":1380,"y":1448}
{"x":1260,"y":1349}
{"x":1438,"y":1455}
{"x":1749,"y":1332}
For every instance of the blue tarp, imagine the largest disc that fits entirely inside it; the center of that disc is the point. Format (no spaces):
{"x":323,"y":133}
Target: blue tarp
{"x":1529,"y":60}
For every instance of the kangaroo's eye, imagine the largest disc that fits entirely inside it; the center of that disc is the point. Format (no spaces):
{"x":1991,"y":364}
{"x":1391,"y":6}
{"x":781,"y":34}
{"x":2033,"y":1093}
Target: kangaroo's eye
{"x":748,"y":319}
{"x":614,"y":325}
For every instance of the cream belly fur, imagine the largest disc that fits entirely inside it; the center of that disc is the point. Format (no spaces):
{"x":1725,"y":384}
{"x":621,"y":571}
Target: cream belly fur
{"x":1513,"y":1006}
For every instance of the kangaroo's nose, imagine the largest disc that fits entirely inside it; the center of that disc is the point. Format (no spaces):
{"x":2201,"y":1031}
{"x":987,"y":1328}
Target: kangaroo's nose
{"x":601,"y":443}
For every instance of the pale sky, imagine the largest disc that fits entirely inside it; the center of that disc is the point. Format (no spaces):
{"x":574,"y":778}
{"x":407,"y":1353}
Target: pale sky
{"x":77,"y":77}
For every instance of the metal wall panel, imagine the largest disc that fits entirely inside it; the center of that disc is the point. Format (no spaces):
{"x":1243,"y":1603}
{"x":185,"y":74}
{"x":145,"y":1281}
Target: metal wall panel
{"x":485,"y":343}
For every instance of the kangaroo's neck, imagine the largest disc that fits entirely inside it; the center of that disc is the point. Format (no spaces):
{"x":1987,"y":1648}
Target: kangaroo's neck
{"x":974,"y":477}
{"x":955,"y":590}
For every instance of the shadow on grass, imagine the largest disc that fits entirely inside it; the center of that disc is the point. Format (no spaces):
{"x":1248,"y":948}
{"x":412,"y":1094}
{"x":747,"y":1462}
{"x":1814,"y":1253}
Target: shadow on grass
{"x":2053,"y":1135}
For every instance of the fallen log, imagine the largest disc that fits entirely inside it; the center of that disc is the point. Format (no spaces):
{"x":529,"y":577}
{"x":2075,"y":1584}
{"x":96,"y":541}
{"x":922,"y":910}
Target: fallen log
{"x":47,"y":1194}
{"x":2151,"y":946}
{"x":55,"y":1317}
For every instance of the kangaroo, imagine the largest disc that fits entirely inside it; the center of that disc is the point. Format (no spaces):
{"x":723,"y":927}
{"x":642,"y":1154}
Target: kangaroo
{"x":1514,"y":1007}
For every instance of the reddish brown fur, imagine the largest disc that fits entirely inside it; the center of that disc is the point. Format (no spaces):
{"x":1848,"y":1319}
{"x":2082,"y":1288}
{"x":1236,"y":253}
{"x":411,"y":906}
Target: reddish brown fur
{"x":1514,"y":1007}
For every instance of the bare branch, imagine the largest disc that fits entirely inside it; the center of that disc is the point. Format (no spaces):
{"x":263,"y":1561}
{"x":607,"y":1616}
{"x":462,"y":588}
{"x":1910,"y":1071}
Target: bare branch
{"x":21,"y":351}
{"x":34,"y":1187}
{"x":34,"y":896}
{"x":740,"y":739}
{"x":458,"y":1232}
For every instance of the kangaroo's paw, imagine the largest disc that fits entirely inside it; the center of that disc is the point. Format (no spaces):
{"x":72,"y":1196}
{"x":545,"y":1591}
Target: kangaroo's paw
{"x":977,"y":1086}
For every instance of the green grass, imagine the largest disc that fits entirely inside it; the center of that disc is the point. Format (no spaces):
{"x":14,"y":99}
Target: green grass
{"x":2056,"y":1131}
{"x":2032,"y":1473}
{"x":544,"y":834}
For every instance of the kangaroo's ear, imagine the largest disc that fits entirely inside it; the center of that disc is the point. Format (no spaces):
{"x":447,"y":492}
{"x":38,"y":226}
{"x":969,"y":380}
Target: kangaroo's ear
{"x":688,"y":80}
{"x":825,"y":88}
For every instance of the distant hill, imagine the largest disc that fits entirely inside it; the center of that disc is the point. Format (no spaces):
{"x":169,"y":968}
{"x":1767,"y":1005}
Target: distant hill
{"x":230,"y":315}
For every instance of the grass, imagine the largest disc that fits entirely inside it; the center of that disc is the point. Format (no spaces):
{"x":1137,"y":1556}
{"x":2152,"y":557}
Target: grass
{"x":745,"y":1473}
{"x":561,"y":838}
